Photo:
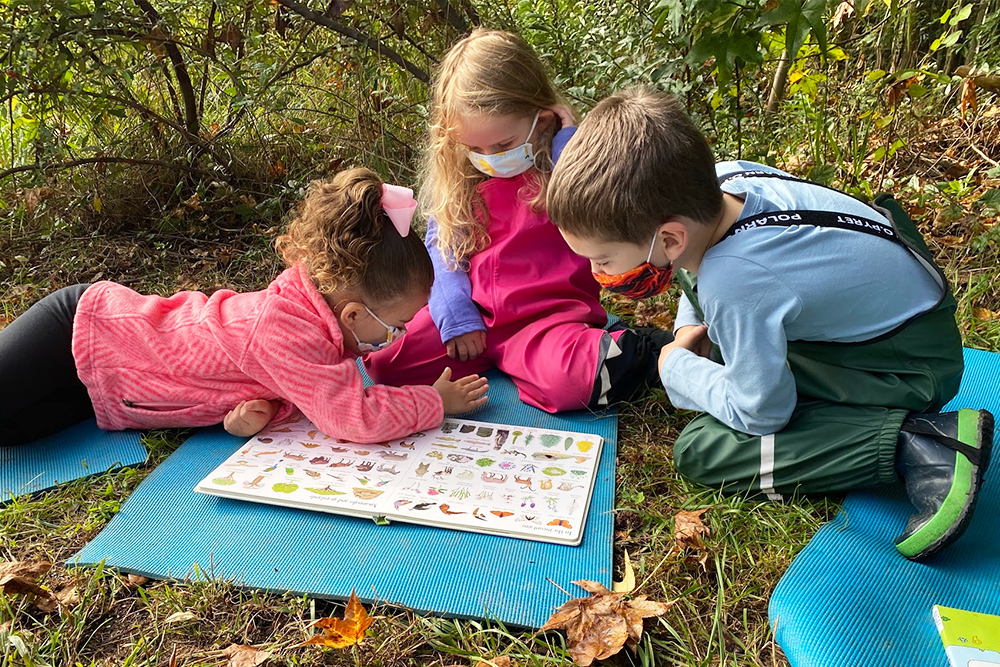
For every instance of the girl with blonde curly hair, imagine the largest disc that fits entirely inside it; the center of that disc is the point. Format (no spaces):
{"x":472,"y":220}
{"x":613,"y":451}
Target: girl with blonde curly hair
{"x":355,"y":278}
{"x":508,"y":291}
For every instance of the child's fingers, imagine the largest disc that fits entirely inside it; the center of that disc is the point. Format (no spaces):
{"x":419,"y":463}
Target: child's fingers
{"x":477,"y":392}
{"x":479,"y":401}
{"x":450,"y":348}
{"x":470,"y":380}
{"x":445,"y":375}
{"x":260,"y":405}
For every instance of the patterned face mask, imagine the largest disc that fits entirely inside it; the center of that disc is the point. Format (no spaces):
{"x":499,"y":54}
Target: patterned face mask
{"x":392,"y":334}
{"x":508,"y":163}
{"x":641,"y":282}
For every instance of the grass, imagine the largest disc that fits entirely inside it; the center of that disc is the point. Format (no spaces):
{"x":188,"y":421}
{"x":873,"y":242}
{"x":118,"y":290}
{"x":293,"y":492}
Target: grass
{"x":720,"y":617}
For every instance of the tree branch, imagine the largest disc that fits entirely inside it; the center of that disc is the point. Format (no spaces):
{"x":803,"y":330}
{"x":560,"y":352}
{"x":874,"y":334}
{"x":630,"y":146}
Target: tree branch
{"x":453,"y":16}
{"x":180,"y":70}
{"x":193,"y":139}
{"x":104,"y":160}
{"x":371,"y":43}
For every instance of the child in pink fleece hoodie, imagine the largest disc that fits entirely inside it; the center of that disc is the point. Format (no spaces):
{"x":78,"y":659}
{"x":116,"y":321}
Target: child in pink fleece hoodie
{"x":355,"y":277}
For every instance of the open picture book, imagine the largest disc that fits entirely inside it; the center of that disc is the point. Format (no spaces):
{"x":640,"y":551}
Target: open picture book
{"x":515,"y":481}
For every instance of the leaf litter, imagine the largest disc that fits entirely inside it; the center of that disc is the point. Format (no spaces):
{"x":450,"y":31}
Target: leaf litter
{"x":21,"y":577}
{"x":598,"y":626}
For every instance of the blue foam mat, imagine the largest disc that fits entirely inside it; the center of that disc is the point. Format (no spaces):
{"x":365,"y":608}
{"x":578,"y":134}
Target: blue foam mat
{"x":79,"y":451}
{"x":165,"y":529}
{"x":849,"y":598}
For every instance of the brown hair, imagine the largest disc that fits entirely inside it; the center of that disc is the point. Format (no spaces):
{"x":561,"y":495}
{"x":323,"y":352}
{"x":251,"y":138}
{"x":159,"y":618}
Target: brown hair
{"x":343,"y":237}
{"x":488,"y":72}
{"x":636,"y":160}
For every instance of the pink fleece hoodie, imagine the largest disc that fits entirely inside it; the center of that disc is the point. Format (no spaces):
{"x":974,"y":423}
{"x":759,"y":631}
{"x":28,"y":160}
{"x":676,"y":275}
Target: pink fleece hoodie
{"x":187,"y":360}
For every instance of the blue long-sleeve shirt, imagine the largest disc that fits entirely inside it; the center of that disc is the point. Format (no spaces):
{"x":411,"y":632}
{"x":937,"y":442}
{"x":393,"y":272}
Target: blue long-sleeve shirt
{"x":451,"y":305}
{"x":764,"y":287}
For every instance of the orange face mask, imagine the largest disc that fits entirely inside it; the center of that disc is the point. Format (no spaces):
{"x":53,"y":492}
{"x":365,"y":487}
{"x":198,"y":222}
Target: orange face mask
{"x":641,"y":282}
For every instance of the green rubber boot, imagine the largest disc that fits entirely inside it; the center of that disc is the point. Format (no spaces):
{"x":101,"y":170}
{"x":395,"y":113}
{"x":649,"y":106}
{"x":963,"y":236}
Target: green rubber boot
{"x":942,"y":458}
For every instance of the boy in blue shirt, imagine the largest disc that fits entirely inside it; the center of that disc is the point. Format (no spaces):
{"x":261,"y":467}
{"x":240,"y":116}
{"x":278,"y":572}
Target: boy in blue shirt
{"x":815,"y":332}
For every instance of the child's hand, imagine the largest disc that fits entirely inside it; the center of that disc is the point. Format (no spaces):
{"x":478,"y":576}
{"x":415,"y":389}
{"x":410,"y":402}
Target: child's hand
{"x":463,"y":394}
{"x":564,"y":114}
{"x":249,"y":417}
{"x":467,"y":346}
{"x":693,"y":338}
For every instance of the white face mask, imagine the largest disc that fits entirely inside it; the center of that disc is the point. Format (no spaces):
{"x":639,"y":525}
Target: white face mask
{"x":392,"y":334}
{"x":508,"y":163}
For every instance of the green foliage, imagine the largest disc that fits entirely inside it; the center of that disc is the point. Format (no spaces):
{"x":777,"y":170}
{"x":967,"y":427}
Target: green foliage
{"x":168,"y":100}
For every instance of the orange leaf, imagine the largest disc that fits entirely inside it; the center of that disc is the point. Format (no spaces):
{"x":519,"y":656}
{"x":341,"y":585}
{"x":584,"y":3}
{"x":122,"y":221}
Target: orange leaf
{"x":968,"y":100}
{"x":339,"y":633}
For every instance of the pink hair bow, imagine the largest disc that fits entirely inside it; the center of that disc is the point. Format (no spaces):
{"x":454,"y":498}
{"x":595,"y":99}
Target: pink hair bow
{"x":399,"y":205}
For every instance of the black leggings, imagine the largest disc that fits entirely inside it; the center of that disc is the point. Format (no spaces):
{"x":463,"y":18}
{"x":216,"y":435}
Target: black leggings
{"x":40,"y":392}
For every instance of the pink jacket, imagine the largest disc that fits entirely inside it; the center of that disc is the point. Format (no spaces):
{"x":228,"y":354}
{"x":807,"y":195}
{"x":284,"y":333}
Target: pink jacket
{"x":187,"y":360}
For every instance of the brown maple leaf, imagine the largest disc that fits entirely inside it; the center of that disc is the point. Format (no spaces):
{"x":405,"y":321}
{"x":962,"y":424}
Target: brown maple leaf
{"x":239,"y":655}
{"x":341,"y":633}
{"x":598,"y":626}
{"x":688,"y":529}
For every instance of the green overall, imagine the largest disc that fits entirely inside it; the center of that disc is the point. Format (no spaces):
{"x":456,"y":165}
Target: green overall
{"x":852,"y":399}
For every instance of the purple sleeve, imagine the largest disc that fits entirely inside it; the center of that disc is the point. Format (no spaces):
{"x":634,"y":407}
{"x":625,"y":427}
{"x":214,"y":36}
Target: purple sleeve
{"x":451,"y":305}
{"x":560,"y":140}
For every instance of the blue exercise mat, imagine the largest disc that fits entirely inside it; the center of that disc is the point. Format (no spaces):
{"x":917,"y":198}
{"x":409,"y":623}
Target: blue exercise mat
{"x":849,"y":598}
{"x":166,"y":530}
{"x":79,"y":451}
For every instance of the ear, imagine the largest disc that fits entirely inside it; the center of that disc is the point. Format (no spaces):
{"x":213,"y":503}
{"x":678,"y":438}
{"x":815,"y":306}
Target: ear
{"x":672,"y":237}
{"x":351,"y":313}
{"x":546,"y":117}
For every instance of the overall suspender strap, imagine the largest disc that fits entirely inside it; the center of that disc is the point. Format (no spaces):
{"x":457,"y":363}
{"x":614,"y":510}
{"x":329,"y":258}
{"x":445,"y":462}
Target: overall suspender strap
{"x":838,"y":221}
{"x":807,"y":217}
{"x":829,"y":219}
{"x":816,"y":219}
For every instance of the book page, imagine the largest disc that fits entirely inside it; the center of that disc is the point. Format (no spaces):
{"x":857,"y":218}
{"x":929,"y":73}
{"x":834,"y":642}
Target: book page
{"x":468,"y":475}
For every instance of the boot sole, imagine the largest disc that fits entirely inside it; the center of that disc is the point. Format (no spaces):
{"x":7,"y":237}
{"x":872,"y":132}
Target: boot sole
{"x":913,"y":547}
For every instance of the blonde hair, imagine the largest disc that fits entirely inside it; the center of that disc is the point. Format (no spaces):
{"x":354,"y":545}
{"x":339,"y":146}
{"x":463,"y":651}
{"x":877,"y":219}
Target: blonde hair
{"x":494,"y":73}
{"x":342,"y":236}
{"x":634,"y":162}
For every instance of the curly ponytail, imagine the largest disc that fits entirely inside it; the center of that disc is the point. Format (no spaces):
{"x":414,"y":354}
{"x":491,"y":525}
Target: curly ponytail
{"x":344,"y":239}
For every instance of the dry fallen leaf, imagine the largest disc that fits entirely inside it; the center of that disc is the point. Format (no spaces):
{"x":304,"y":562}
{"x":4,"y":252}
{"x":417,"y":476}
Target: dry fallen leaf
{"x":240,"y":655}
{"x":627,"y":584}
{"x":34,"y":196}
{"x":339,"y":633}
{"x":136,"y":580}
{"x":180,"y":617}
{"x":499,"y":661}
{"x":688,"y":529}
{"x":598,"y":626}
{"x":844,"y":11}
{"x":66,"y":596}
{"x":18,"y":577}
{"x":968,"y":98}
